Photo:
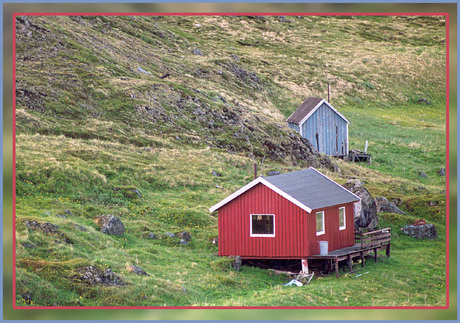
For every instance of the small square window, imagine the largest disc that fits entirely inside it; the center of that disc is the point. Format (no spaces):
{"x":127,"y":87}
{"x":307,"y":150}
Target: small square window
{"x":342,"y":223}
{"x":320,"y":223}
{"x":262,"y":225}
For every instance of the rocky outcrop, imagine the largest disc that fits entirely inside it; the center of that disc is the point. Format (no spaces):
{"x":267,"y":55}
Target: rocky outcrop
{"x":47,"y":228}
{"x":110,"y":224}
{"x":383,"y":205}
{"x":94,"y":276}
{"x":424,"y":231}
{"x":366,"y":209}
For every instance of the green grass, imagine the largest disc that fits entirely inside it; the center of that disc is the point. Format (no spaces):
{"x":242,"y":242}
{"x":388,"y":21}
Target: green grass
{"x":93,"y":129}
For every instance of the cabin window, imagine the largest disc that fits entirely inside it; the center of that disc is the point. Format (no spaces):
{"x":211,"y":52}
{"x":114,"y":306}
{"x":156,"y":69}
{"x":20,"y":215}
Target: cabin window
{"x":342,"y":222}
{"x":262,"y":225}
{"x":320,"y":223}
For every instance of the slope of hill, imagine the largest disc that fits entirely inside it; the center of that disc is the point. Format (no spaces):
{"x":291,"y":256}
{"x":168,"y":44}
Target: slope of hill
{"x":130,"y":116}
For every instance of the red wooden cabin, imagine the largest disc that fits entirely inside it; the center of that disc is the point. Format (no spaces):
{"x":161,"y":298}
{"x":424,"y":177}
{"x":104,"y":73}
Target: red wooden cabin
{"x":285,"y":216}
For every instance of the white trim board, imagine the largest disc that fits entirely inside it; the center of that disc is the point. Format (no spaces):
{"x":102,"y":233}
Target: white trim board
{"x":317,"y":107}
{"x":251,"y":185}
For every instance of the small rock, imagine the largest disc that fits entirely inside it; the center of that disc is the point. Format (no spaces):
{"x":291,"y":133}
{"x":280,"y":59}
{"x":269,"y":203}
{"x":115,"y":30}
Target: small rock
{"x":62,"y":216}
{"x":79,"y":227}
{"x":152,"y":236}
{"x":28,"y":245}
{"x":422,"y":100}
{"x":183,"y":242}
{"x":110,"y":224}
{"x":169,"y":234}
{"x":273,"y":173}
{"x":236,"y":263}
{"x":425,"y":231}
{"x":217,"y":186}
{"x":196,"y":51}
{"x":442,"y":172}
{"x":216,"y":173}
{"x":68,"y":212}
{"x":197,"y":25}
{"x":185,"y":236}
{"x":423,"y":174}
{"x":137,"y":270}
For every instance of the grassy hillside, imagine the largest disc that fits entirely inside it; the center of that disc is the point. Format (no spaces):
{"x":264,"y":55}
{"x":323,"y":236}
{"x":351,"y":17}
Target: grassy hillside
{"x":131,"y":115}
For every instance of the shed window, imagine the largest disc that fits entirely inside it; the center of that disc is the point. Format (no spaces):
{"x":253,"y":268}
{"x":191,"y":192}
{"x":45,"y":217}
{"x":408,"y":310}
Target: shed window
{"x":342,"y":222}
{"x":262,"y":225}
{"x":320,"y":223}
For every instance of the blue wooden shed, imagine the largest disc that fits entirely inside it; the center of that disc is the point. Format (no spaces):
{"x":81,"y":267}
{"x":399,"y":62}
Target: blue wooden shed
{"x":325,"y":127}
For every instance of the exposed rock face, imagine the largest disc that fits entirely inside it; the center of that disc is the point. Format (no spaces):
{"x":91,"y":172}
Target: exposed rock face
{"x":425,"y":231}
{"x":383,"y":205}
{"x":110,"y":224}
{"x":93,"y":276}
{"x":47,"y":228}
{"x":366,"y":210}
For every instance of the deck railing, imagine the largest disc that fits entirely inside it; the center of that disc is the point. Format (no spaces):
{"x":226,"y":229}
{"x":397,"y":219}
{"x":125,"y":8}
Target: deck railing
{"x":373,"y":238}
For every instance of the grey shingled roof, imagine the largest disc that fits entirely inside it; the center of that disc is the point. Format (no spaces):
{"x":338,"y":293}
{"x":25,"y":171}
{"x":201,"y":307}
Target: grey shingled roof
{"x":304,"y":109}
{"x":312,"y":189}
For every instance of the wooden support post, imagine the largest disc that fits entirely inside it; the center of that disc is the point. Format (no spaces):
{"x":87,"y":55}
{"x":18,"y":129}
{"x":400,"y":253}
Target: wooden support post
{"x":362,"y":258}
{"x":388,"y":251}
{"x":337,"y":267}
{"x":304,"y":266}
{"x":375,"y":254}
{"x":350,"y":263}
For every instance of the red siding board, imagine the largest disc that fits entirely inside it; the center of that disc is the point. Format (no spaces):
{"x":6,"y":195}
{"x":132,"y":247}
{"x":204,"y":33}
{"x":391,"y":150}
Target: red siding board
{"x":295,"y":229}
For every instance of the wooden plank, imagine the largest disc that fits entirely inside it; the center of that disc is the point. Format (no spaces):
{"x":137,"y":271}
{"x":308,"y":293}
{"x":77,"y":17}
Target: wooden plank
{"x":336,"y":268}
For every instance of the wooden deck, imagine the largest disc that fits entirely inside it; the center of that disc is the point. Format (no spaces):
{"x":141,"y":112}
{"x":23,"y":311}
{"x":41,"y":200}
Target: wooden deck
{"x":365,"y":243}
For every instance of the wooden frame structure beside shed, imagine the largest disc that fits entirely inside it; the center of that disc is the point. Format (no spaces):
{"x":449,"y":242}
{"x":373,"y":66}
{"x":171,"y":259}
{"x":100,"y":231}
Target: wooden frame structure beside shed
{"x":323,"y":125}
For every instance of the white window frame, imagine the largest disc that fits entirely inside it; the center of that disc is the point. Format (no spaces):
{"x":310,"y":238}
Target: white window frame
{"x":261,"y":235}
{"x":318,"y":233}
{"x":344,"y":218}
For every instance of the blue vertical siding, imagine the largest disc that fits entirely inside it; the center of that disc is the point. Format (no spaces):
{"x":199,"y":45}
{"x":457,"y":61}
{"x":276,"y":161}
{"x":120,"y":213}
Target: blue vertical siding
{"x":327,"y":131}
{"x":294,"y":126}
